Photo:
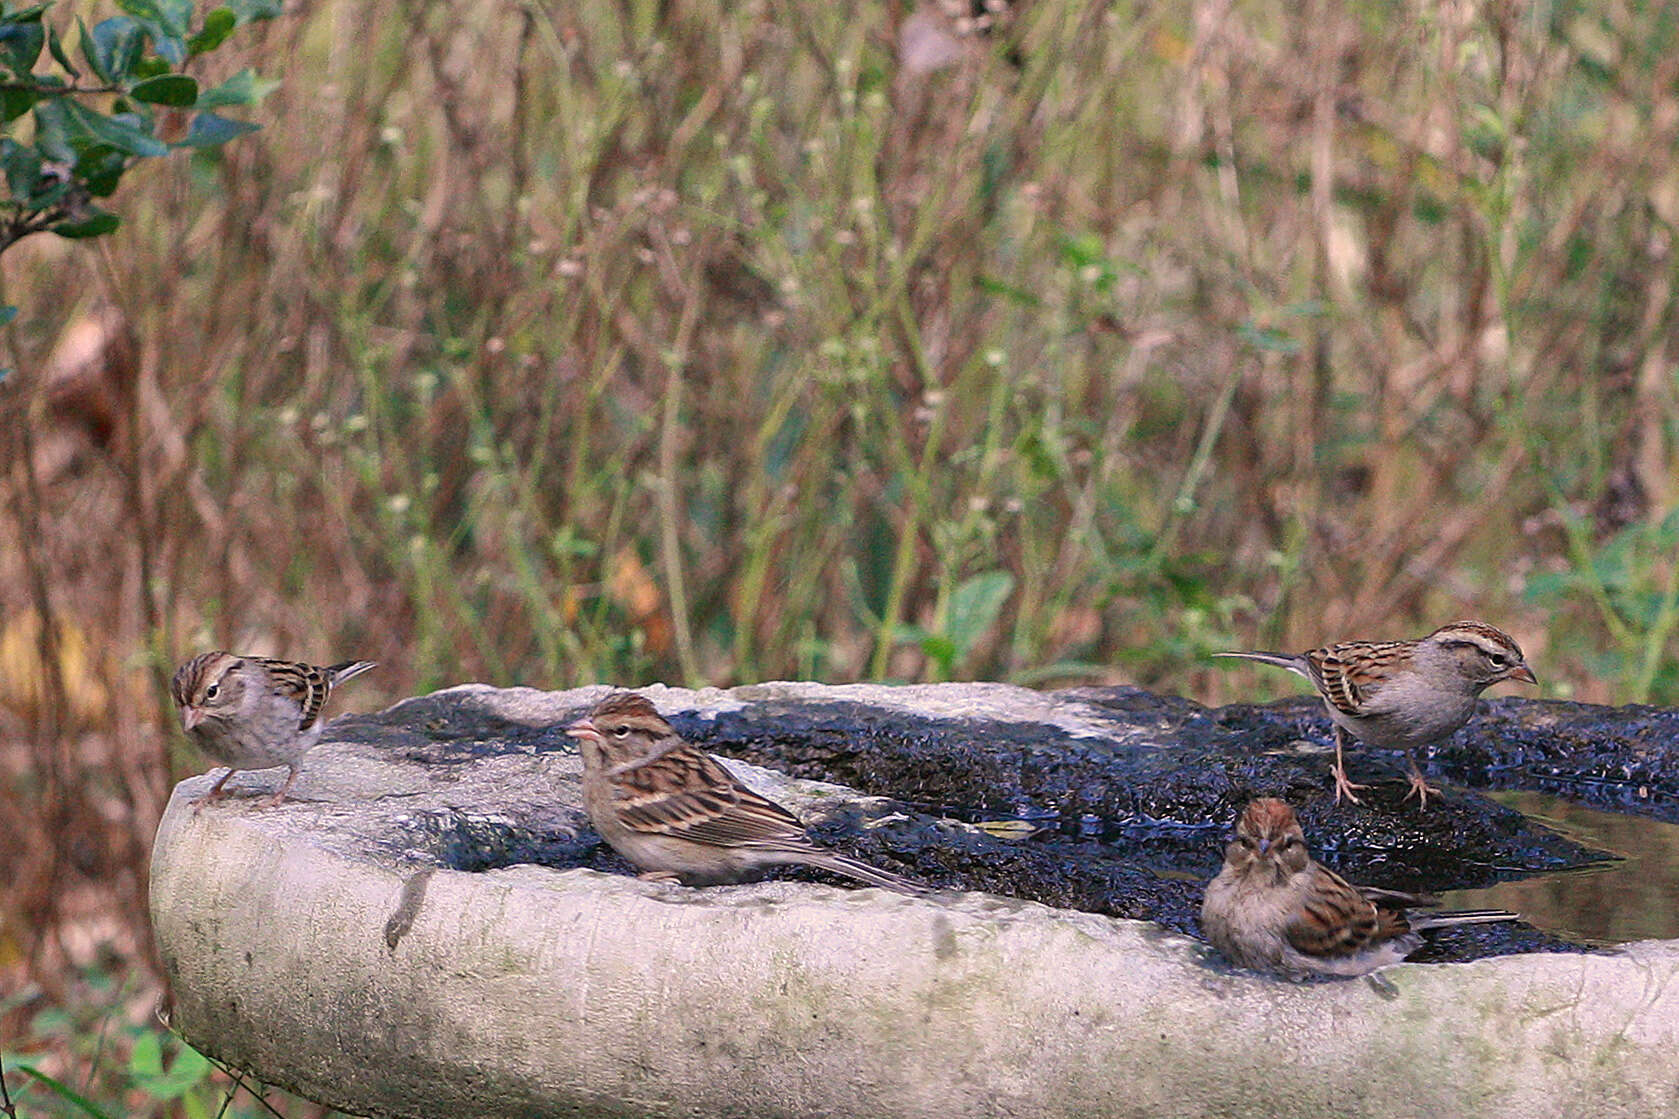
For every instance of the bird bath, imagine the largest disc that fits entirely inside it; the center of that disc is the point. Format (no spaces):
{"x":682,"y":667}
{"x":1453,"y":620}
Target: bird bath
{"x":435,"y":931}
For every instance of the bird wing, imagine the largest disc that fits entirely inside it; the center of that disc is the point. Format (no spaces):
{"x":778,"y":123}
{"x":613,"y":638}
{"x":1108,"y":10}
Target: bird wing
{"x":1343,"y":672}
{"x":1335,"y":919}
{"x":686,"y":793}
{"x":303,"y":682}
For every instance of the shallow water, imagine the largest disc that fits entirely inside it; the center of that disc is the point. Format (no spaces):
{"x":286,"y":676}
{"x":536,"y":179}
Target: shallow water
{"x":1635,"y":898}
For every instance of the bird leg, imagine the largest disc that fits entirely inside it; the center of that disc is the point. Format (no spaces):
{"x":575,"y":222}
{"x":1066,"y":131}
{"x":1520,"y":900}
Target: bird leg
{"x":1420,"y":788}
{"x":1343,"y":786}
{"x":215,"y":792}
{"x":270,"y":802}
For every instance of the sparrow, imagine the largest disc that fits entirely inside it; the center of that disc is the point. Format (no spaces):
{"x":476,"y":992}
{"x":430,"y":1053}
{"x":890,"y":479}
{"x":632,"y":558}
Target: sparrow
{"x":679,"y":815}
{"x":1273,"y":908}
{"x":1404,"y":694}
{"x":255,"y":712}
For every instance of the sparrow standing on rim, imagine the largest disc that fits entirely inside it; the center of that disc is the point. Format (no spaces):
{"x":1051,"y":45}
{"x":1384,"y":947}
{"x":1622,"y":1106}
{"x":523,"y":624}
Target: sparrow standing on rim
{"x":1404,"y":694}
{"x":255,"y":712}
{"x":679,"y":815}
{"x":1273,"y":908}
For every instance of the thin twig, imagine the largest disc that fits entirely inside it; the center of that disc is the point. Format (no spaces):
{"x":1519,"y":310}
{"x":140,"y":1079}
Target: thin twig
{"x":53,"y":90}
{"x":7,"y":1107}
{"x":240,"y":1082}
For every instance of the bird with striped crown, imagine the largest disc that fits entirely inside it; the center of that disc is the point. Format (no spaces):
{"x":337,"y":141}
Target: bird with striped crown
{"x":1274,"y":908}
{"x":679,"y":815}
{"x":256,"y":712}
{"x":1404,"y":694}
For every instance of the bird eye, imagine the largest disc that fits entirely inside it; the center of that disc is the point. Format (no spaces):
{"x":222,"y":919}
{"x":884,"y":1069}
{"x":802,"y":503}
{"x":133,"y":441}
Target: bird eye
{"x":620,"y":731}
{"x":1245,"y":841}
{"x":210,"y":692}
{"x":1290,"y":841}
{"x":1498,"y":659}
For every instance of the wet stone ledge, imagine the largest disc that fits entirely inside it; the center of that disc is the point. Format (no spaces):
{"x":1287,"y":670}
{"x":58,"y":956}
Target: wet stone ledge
{"x":436,"y":929}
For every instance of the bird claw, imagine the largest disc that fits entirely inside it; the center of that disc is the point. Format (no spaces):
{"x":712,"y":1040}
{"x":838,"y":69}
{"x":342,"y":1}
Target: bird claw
{"x":1420,"y":788}
{"x":1345,"y":787}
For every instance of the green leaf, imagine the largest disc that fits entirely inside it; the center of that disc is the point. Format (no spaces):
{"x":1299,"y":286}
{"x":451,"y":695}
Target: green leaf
{"x":22,"y":167}
{"x":250,"y":11}
{"x":15,"y":102}
{"x":27,"y":15}
{"x":85,"y":1106}
{"x":7,"y":314}
{"x":99,"y":169}
{"x":94,"y":223}
{"x":936,"y":645}
{"x":113,"y":48}
{"x":21,"y":43}
{"x":188,"y":1069}
{"x":56,"y":46}
{"x":974,"y":606}
{"x":173,"y":17}
{"x":114,"y":131}
{"x":150,"y":66}
{"x":218,"y":25}
{"x":168,"y":89}
{"x":52,"y":131}
{"x":146,"y":1059}
{"x":166,"y":21}
{"x":208,"y":130}
{"x":244,"y":88}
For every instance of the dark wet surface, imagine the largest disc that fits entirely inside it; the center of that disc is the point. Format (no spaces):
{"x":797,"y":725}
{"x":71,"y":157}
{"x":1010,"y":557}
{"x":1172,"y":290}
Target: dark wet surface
{"x":1132,"y":822}
{"x":1624,"y":759}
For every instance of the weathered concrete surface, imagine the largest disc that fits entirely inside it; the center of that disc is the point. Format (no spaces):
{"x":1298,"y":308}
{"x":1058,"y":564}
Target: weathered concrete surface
{"x":337,"y":949}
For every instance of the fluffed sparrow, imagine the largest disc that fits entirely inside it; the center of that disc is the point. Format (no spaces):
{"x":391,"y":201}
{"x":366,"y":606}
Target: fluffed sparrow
{"x":255,"y":712}
{"x":1273,"y":908}
{"x":1404,"y":694}
{"x":679,"y":815}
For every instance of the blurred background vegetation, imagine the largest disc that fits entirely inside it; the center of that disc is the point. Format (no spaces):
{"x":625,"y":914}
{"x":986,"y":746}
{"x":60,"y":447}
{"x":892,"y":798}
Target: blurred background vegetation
{"x":712,"y":341}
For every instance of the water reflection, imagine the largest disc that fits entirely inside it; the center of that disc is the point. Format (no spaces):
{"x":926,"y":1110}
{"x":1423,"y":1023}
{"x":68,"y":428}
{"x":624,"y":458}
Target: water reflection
{"x":1610,"y":904}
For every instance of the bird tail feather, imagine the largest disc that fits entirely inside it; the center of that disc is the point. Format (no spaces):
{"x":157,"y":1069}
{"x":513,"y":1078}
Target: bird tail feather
{"x":1422,"y":921}
{"x":348,"y":670}
{"x":1280,"y":660}
{"x":863,"y":872}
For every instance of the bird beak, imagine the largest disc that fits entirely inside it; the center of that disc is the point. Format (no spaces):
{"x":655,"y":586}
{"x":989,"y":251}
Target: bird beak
{"x":1524,"y":674}
{"x":583,"y":728}
{"x":191,"y":717}
{"x":1264,"y":846}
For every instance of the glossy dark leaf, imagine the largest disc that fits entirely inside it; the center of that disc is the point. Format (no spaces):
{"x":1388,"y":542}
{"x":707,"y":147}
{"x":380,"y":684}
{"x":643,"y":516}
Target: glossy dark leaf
{"x":166,"y":22}
{"x":52,"y":131}
{"x":22,"y":166}
{"x":218,"y":25}
{"x":15,"y":102}
{"x":94,"y":223}
{"x":113,"y":48}
{"x":172,"y":17}
{"x":120,"y":134}
{"x":209,"y":130}
{"x":59,"y":54}
{"x":100,"y":168}
{"x":177,"y":90}
{"x":7,"y":314}
{"x":20,"y":44}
